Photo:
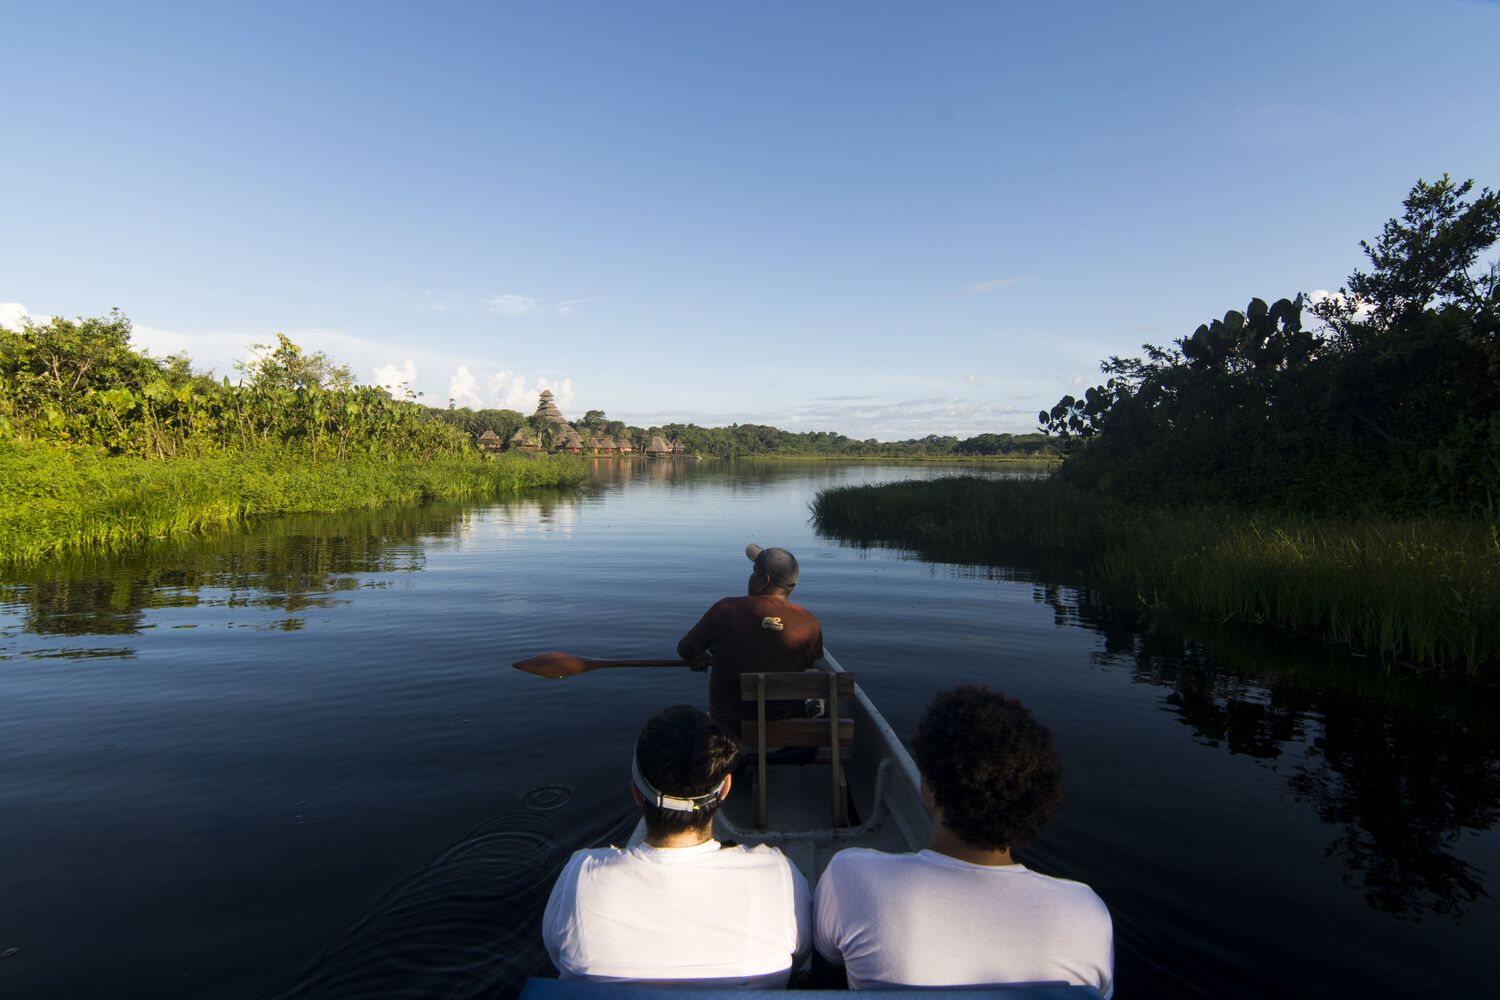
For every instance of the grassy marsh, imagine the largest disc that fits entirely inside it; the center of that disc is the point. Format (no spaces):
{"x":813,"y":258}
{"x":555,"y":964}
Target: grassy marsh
{"x":1425,"y":590}
{"x":54,"y":501}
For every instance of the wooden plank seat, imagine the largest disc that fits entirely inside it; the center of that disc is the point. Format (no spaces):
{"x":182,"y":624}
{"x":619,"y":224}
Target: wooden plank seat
{"x":834,"y":731}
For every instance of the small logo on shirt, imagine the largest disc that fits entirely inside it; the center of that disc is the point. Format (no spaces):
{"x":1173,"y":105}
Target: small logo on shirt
{"x":774,"y":624}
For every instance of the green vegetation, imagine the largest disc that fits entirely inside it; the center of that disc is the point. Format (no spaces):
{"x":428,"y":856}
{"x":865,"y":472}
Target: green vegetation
{"x":1344,"y":479}
{"x":1425,"y":590}
{"x":54,"y":501}
{"x":103,"y":446}
{"x":80,"y":385}
{"x":1392,"y":405}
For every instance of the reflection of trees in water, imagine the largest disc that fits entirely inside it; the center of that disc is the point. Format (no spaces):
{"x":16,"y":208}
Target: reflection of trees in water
{"x":290,"y":564}
{"x":1404,"y":796}
{"x":1403,"y":765}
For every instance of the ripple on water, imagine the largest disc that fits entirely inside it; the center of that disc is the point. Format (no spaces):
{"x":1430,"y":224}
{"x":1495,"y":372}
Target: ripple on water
{"x":546,"y":797}
{"x":462,"y":925}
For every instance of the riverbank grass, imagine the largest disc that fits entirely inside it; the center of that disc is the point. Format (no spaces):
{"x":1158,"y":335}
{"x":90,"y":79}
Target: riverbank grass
{"x":54,"y":501}
{"x":1427,"y":590}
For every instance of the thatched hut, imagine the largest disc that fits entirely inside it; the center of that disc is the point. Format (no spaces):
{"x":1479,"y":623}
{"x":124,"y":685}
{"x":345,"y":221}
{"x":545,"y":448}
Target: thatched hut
{"x":525,"y":440}
{"x":658,"y":448}
{"x":490,"y":442}
{"x":567,"y":439}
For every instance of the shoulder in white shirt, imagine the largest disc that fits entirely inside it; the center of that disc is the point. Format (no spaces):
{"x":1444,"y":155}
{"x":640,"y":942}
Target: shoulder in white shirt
{"x":738,"y":916}
{"x":927,"y":919}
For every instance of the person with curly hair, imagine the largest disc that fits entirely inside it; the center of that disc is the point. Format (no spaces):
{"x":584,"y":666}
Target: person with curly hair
{"x":964,"y":912}
{"x":656,"y":911}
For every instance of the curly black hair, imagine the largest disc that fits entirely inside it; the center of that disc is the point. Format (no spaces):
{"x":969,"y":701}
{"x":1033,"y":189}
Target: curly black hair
{"x":684,"y":752}
{"x":990,"y":766}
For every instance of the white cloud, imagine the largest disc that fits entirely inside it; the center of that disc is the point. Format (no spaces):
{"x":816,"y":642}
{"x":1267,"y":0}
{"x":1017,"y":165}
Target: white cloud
{"x":915,"y":418}
{"x":513,"y":305}
{"x":973,"y":379}
{"x":12,"y":315}
{"x":511,"y":391}
{"x":508,"y":391}
{"x":397,"y":379}
{"x":565,"y":306}
{"x":1362,"y":310}
{"x":216,"y":352}
{"x":990,"y":286}
{"x":463,"y":389}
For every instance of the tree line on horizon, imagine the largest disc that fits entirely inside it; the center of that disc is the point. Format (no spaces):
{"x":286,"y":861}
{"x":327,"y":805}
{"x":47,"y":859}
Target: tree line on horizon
{"x":750,"y":440}
{"x":79,"y":384}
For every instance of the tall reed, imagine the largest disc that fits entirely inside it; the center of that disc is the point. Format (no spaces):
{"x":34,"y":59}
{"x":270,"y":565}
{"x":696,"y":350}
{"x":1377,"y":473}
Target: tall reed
{"x":1424,"y":590}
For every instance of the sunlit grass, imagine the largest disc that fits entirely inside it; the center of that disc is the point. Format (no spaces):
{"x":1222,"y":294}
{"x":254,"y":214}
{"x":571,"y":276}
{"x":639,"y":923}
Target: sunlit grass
{"x":54,"y":501}
{"x":1423,"y":590}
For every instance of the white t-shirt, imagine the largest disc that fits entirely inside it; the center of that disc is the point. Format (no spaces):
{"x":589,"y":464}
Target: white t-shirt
{"x":737,"y":916}
{"x":926,"y":919}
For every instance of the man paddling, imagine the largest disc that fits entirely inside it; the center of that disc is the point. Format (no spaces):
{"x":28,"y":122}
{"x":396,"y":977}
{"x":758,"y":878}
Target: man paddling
{"x":762,"y":632}
{"x":963,"y":912}
{"x":680,"y":908}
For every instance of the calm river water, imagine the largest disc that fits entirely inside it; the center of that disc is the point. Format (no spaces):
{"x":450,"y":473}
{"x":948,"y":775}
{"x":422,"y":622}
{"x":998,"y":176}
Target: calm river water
{"x":295,"y":761}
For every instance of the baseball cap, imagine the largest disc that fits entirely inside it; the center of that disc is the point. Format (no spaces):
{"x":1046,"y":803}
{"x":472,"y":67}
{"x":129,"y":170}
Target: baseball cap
{"x":779,"y":564}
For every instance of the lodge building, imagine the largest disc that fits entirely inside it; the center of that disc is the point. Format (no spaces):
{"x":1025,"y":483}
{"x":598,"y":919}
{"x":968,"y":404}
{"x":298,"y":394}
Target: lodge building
{"x":549,"y":430}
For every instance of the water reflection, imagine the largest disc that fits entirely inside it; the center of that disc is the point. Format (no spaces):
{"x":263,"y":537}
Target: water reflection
{"x":1404,"y":765}
{"x":758,"y":473}
{"x":290,"y":565}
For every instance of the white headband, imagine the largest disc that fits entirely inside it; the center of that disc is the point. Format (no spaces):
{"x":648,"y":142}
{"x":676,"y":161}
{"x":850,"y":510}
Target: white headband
{"x":663,"y":801}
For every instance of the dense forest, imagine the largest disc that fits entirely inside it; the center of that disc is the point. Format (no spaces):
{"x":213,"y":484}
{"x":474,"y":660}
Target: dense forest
{"x":1388,"y":403}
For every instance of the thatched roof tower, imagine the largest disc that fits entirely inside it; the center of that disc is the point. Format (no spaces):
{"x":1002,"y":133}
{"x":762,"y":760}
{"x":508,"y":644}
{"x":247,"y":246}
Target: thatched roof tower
{"x":547,"y":409}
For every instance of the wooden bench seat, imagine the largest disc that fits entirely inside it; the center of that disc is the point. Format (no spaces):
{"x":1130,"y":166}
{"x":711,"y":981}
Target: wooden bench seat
{"x":835,"y":730}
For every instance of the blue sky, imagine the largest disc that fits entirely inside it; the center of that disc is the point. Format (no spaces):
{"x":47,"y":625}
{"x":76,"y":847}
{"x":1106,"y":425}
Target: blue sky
{"x":882,"y":219}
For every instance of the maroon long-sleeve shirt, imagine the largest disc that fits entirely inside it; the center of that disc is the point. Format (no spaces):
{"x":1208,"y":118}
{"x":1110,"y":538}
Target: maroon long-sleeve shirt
{"x":757,"y":634}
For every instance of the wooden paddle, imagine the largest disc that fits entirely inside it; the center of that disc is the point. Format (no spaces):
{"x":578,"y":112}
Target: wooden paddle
{"x":567,"y":665}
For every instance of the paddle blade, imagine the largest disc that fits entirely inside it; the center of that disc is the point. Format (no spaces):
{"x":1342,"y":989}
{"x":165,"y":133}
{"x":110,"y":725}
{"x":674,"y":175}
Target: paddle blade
{"x":554,"y":665}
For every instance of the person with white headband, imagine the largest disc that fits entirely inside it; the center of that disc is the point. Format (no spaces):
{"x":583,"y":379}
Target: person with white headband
{"x":680,"y":908}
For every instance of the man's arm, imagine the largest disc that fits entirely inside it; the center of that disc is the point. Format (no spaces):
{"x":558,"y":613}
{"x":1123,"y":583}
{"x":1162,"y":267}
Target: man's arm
{"x":558,"y":917}
{"x":802,"y":904}
{"x":696,"y":644}
{"x":828,"y":960}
